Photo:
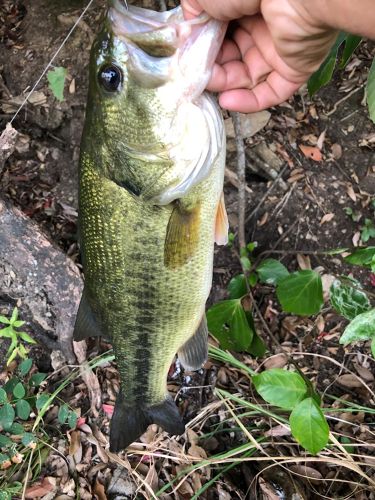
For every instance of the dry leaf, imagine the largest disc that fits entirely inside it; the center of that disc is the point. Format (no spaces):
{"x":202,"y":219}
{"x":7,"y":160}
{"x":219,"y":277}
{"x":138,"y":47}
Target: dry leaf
{"x":321,"y":139}
{"x":307,"y":472}
{"x":327,"y":218}
{"x":303,"y":262}
{"x":99,"y":491}
{"x":336,"y":151}
{"x":364,"y":373}
{"x":349,"y":380}
{"x":197,"y":451}
{"x":72,"y":86}
{"x":356,"y":238}
{"x":278,"y":431}
{"x":311,"y":152}
{"x":295,"y":178}
{"x":263,"y":220}
{"x":152,"y":478}
{"x":39,"y":489}
{"x":350,"y":192}
{"x":276,"y":361}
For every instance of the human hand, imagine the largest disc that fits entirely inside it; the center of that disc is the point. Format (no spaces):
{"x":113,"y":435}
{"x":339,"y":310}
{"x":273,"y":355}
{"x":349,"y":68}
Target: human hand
{"x":274,"y":48}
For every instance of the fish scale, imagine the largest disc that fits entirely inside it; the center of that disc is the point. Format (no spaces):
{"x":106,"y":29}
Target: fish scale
{"x":151,"y":178}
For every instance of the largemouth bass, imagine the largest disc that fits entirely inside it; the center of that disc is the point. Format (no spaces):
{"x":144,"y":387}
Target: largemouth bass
{"x":150,"y":204}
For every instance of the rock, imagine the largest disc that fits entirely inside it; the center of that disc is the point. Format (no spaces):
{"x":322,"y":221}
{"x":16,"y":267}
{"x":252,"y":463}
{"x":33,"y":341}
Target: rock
{"x":250,"y":124}
{"x":40,"y":278}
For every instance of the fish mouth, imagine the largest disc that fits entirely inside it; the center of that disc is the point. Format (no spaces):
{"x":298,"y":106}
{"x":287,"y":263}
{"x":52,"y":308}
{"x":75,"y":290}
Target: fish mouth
{"x":159,"y":34}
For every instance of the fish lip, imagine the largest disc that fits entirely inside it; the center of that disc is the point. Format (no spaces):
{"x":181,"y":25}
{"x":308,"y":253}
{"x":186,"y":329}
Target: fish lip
{"x":148,"y":21}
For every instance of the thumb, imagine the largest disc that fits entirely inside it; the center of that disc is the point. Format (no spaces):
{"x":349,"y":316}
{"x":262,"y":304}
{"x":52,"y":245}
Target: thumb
{"x":191,"y":8}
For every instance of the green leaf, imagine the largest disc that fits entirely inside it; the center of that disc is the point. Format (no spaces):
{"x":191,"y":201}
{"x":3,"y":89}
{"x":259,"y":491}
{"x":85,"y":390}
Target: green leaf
{"x":362,"y":327}
{"x":3,"y":396}
{"x":280,"y":387}
{"x":271,"y":271}
{"x":42,"y":401}
{"x":5,"y":441}
{"x":13,"y":355}
{"x":371,"y":91}
{"x":246,"y":263}
{"x":237,"y":287}
{"x":19,"y":391}
{"x":72,"y":419}
{"x":351,"y":43}
{"x":28,"y":438}
{"x":347,"y":444}
{"x":257,"y":347}
{"x":17,"y":429}
{"x":14,"y":316}
{"x":324,"y":74}
{"x":6,"y":416}
{"x":309,"y":426}
{"x":3,"y":458}
{"x":362,"y":257}
{"x":37,"y":378}
{"x":25,"y":367}
{"x":11,"y":384}
{"x":4,"y":320}
{"x":23,"y":409}
{"x":347,"y":298}
{"x":301,"y":293}
{"x":228,"y":323}
{"x":373,"y":347}
{"x":63,"y":414}
{"x":56,"y":80}
{"x":26,"y":337}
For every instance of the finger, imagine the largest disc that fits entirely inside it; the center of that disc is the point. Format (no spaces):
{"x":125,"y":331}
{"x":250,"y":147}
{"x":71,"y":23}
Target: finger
{"x":264,"y":42}
{"x":232,"y":75}
{"x":271,"y":92}
{"x":220,"y":9}
{"x":228,"y":52}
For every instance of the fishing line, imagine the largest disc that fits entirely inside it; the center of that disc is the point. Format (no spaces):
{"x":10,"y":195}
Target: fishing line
{"x":53,"y":58}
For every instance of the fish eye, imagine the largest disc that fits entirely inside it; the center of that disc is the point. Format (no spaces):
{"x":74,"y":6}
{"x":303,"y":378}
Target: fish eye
{"x":110,"y":77}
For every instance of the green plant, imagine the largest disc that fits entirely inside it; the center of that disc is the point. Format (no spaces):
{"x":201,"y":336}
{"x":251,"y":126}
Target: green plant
{"x":56,"y":80}
{"x":324,"y":74}
{"x":16,"y":337}
{"x":23,"y":405}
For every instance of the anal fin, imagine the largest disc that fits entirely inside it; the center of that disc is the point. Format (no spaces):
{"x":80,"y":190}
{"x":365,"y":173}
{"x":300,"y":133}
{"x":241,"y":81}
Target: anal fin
{"x":86,"y":324}
{"x":193,"y":354}
{"x":222,"y":224}
{"x":182,"y":235}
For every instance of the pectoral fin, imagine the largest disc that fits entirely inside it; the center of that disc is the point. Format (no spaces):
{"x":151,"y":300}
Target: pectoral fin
{"x":86,"y":324}
{"x":222,"y":224}
{"x":194,"y":353}
{"x":182,"y":235}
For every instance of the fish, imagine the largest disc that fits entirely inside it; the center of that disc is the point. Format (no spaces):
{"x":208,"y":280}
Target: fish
{"x":151,"y":207}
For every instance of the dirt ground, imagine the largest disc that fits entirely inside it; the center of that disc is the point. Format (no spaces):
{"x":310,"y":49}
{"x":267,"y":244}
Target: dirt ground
{"x":296,"y":204}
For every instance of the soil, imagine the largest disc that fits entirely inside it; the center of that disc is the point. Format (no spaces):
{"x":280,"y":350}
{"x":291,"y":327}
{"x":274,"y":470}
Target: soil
{"x":301,"y":213}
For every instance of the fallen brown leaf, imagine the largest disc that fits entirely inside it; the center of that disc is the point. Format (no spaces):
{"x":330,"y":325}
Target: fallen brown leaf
{"x":326,"y":218}
{"x":350,"y":192}
{"x":39,"y":489}
{"x":303,"y":262}
{"x":311,"y":152}
{"x":349,"y":380}
{"x":99,"y":491}
{"x":336,"y":151}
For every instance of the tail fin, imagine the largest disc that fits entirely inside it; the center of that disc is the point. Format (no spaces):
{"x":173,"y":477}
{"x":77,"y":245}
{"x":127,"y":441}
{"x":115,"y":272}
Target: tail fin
{"x":130,"y":422}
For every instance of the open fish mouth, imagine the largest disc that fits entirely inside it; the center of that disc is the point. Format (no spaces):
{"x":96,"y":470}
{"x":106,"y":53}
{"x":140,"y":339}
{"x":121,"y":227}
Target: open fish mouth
{"x":166,"y":34}
{"x":161,"y":34}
